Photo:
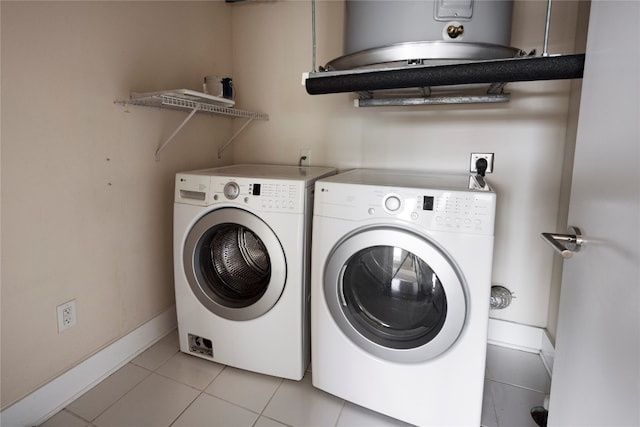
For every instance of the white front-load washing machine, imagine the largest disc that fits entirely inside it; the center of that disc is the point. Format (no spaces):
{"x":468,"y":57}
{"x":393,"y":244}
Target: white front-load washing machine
{"x":241,"y":262}
{"x":400,"y":289}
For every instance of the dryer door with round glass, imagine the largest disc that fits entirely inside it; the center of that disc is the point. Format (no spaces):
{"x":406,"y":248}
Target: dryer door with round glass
{"x":395,"y":294}
{"x":235,"y":264}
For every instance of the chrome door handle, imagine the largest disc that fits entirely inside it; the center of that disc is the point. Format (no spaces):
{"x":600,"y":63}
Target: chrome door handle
{"x":565,"y":244}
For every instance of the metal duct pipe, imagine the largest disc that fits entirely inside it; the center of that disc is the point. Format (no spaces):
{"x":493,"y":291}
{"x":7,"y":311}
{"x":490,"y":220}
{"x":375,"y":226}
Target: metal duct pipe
{"x":500,"y":297}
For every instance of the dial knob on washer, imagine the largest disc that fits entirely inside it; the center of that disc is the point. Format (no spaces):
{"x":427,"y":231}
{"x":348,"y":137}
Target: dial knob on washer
{"x":392,"y":203}
{"x":231,"y":190}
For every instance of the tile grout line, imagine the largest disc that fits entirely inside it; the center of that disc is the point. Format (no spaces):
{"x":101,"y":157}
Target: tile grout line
{"x":149,"y":373}
{"x":200,"y":392}
{"x":269,"y":401}
{"x":344,"y":403}
{"x":518,"y":386}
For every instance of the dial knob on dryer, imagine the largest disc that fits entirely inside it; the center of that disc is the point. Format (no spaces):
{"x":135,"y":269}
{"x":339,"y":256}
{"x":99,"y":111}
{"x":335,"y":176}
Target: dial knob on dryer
{"x":231,"y":190}
{"x":392,"y":203}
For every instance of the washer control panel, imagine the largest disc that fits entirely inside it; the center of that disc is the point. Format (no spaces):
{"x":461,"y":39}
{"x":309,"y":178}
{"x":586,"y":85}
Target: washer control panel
{"x":262,"y":195}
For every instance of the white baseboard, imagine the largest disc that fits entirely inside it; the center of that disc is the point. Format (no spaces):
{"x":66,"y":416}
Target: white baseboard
{"x":522,"y":337}
{"x":52,"y":397}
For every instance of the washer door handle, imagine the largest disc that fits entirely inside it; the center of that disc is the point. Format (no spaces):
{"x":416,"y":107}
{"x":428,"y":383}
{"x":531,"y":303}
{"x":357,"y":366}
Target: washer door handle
{"x":565,"y":244}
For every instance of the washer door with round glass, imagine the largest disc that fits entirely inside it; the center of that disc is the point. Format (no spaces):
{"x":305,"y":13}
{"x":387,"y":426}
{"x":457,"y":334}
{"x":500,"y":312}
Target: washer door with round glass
{"x":395,"y":294}
{"x":235,"y":264}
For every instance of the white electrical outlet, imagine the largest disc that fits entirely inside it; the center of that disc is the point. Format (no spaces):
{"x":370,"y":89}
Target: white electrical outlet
{"x":476,"y":156}
{"x":305,"y":157}
{"x":66,"y":315}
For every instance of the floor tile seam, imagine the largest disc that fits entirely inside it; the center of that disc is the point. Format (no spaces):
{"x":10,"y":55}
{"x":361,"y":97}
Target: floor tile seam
{"x":204,"y":391}
{"x":164,"y":362}
{"x":261,"y":413}
{"x":140,"y":382}
{"x":148,"y":374}
{"x":157,"y":371}
{"x":493,"y":403}
{"x":165,"y":376}
{"x":81,"y":418}
{"x":344,"y":404}
{"x":237,"y":405}
{"x":186,"y":408}
{"x":160,"y":365}
{"x":271,"y":399}
{"x":518,"y":386}
{"x":233,"y":403}
{"x":274,"y":420}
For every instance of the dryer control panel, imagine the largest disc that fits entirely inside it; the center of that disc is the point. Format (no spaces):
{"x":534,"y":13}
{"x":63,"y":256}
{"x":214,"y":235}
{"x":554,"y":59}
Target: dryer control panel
{"x":444,"y":210}
{"x":458,"y":211}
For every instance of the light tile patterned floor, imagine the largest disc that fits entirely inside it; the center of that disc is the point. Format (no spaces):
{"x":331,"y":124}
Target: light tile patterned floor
{"x":166,"y":388}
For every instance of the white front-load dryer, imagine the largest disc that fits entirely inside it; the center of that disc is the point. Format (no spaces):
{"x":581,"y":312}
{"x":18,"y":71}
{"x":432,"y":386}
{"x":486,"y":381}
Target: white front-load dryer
{"x":401,"y":278}
{"x":241,"y":263}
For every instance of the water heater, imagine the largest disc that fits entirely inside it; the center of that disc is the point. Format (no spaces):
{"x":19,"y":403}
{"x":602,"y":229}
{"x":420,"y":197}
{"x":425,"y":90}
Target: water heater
{"x":414,"y":31}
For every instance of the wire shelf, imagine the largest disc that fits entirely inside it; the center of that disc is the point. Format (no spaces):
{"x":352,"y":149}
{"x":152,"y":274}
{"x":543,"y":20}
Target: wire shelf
{"x":177,"y":101}
{"x":194,"y":102}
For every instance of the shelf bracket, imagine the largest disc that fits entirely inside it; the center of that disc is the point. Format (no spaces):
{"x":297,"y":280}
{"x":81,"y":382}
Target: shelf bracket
{"x":224,"y":147}
{"x":175,"y":132}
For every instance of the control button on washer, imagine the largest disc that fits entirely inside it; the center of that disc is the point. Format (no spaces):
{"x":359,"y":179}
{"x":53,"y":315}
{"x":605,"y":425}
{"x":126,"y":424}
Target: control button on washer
{"x":231,"y":190}
{"x":392,"y":203}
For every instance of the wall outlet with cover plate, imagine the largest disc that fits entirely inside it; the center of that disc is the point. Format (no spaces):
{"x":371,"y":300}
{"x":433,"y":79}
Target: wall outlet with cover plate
{"x":474,"y":161}
{"x":67,"y":316}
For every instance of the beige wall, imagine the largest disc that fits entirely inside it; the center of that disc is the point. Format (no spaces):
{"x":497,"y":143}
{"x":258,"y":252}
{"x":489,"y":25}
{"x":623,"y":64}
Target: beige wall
{"x":272,"y":48}
{"x":86,"y":209}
